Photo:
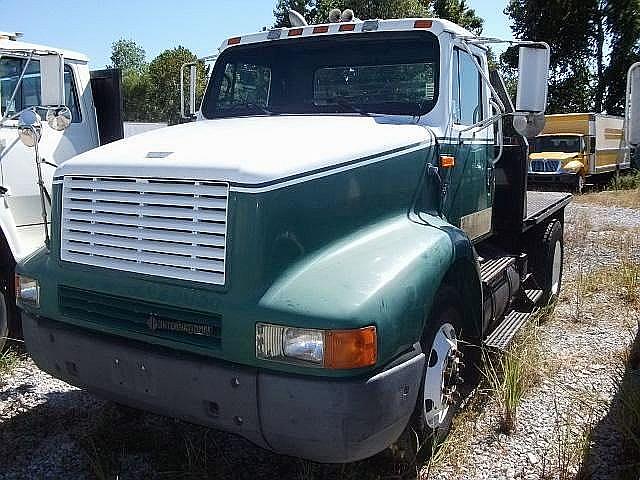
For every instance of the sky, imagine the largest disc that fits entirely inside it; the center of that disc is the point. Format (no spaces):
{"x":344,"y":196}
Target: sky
{"x":91,"y":26}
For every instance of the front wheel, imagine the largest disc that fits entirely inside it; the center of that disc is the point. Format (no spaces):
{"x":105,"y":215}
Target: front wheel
{"x":445,"y":374}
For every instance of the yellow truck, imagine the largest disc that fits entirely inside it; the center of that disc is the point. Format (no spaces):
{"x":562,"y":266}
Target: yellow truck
{"x":576,"y":146}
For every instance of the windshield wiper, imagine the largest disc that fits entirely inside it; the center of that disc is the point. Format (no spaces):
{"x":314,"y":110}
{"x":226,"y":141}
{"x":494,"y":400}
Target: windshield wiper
{"x":344,"y":102}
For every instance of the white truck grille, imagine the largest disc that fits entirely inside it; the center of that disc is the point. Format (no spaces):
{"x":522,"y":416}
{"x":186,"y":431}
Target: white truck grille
{"x":168,"y":228}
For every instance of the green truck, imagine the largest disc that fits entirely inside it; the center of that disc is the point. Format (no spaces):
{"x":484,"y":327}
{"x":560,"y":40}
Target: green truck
{"x":307,"y":263}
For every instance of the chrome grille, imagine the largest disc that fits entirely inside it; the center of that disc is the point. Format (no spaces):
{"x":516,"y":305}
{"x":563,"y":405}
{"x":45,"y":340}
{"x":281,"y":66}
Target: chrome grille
{"x":545,"y":166}
{"x":167,"y":228}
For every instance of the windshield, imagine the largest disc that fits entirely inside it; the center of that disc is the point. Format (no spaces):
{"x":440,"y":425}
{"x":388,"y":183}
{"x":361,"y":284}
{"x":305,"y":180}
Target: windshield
{"x":557,"y":143}
{"x":393,"y":73}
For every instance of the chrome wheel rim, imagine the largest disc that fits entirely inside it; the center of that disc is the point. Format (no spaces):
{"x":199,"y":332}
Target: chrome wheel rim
{"x":442,"y":374}
{"x":557,"y":267}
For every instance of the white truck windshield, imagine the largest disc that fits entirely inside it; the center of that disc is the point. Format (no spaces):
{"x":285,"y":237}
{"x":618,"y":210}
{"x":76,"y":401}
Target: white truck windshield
{"x":392,"y":73}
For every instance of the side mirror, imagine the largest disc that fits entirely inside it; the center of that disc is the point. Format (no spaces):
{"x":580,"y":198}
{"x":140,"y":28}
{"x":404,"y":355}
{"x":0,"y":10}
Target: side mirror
{"x":29,"y":128}
{"x":59,"y":118}
{"x":52,"y":80}
{"x":632,"y":113}
{"x":533,"y":78}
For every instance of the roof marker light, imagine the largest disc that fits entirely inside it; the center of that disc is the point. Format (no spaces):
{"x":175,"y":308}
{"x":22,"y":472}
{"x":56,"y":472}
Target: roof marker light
{"x":294,"y":32}
{"x":422,"y":24}
{"x":321,"y":29}
{"x":234,"y":41}
{"x":347,"y":27}
{"x":370,"y":25}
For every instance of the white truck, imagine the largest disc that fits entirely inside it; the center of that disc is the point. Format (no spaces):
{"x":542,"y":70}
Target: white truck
{"x":36,"y":83}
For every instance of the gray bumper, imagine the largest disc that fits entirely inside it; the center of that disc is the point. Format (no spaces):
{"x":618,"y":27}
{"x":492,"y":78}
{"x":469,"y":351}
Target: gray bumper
{"x":315,"y":418}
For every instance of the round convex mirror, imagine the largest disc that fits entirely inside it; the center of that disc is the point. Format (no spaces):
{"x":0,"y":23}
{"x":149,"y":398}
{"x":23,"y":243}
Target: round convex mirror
{"x":59,"y":118}
{"x":29,"y":128}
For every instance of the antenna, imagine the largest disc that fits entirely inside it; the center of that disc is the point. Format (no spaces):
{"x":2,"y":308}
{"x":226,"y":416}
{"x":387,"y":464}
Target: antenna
{"x":296,"y":19}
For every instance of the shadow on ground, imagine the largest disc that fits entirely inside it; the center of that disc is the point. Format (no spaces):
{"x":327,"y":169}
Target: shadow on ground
{"x":106,"y":441}
{"x":615,"y":441}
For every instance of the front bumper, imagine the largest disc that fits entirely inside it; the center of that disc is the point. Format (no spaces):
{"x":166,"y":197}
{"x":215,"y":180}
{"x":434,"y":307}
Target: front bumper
{"x":569,"y":179}
{"x":320,"y":419}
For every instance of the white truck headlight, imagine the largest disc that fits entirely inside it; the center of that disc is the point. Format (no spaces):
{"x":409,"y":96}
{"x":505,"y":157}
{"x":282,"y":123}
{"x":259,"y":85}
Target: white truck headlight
{"x":334,"y":349}
{"x":27,"y":290}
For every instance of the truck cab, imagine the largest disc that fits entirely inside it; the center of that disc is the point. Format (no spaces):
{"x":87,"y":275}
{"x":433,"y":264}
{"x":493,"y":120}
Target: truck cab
{"x":307,"y":263}
{"x":34,"y":78}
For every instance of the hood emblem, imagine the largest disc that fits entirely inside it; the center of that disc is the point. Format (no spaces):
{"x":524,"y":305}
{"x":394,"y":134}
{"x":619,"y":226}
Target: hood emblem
{"x":158,"y":154}
{"x":154,"y":322}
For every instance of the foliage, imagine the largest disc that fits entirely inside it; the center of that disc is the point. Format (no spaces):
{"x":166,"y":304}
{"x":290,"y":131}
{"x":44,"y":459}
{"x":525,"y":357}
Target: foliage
{"x":304,"y":7}
{"x":458,"y":12}
{"x":164,"y":79}
{"x":584,"y":76}
{"x":127,"y":55}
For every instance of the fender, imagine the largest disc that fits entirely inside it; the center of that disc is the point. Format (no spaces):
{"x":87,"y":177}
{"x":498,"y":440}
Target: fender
{"x":384,"y":275}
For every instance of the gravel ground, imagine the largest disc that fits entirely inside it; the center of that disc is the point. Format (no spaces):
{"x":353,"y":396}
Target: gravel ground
{"x":49,"y":429}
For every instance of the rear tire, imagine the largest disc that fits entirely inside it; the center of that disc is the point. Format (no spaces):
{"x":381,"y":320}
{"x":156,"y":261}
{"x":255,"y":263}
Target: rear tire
{"x":548,"y":261}
{"x":4,"y":322}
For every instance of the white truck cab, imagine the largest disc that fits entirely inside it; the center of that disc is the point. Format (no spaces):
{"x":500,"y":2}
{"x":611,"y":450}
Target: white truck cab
{"x":34,"y":78}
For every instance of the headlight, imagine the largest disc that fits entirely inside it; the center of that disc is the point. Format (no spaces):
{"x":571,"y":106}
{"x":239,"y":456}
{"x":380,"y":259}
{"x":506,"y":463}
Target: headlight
{"x":334,"y":349}
{"x":27,"y":290}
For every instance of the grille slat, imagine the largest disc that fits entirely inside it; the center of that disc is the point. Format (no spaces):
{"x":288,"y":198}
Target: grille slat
{"x":168,"y":228}
{"x":216,"y":215}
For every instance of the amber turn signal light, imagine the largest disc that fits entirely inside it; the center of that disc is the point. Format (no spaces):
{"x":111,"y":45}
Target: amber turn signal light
{"x":422,"y":24}
{"x":447,"y":161}
{"x":351,"y":348}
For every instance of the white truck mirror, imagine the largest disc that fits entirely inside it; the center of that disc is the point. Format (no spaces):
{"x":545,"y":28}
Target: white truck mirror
{"x":52,"y":80}
{"x":632,"y":113}
{"x":533,"y":78}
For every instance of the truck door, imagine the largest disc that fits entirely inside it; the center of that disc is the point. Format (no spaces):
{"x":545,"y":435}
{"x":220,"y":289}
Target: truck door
{"x":17,"y":162}
{"x":107,"y":98}
{"x":469,"y":198}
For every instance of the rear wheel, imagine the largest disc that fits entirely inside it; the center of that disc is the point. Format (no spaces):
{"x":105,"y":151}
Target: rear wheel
{"x":4,"y":321}
{"x":548,"y":260}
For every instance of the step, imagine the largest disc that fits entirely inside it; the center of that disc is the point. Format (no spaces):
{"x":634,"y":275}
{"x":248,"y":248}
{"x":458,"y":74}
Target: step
{"x":533,"y":296}
{"x":491,"y":268}
{"x":505,"y":332}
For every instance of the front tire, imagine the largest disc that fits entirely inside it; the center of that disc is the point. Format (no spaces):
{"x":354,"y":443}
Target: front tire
{"x":444,"y":374}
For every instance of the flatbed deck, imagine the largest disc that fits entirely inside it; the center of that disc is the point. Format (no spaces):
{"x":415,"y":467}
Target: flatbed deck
{"x":541,"y":205}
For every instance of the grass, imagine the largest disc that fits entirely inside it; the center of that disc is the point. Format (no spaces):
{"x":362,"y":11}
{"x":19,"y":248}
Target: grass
{"x":626,"y":181}
{"x":510,"y":375}
{"x":8,"y":361}
{"x":572,"y":438}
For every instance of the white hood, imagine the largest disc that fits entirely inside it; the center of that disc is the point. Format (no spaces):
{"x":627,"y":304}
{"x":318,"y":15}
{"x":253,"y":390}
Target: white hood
{"x":251,"y":150}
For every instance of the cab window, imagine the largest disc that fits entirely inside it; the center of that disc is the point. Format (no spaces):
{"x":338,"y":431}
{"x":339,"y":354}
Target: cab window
{"x":467,"y":90}
{"x":28,"y":94}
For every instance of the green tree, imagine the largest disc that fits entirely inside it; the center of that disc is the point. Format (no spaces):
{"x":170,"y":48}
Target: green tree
{"x":281,"y":11}
{"x":365,"y":9}
{"x":458,"y":12}
{"x":623,"y":26}
{"x":164,"y":84}
{"x":565,"y":26}
{"x":129,"y":57}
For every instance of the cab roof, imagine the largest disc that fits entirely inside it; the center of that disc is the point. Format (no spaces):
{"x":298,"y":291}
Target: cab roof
{"x":18,"y":46}
{"x":433,"y":25}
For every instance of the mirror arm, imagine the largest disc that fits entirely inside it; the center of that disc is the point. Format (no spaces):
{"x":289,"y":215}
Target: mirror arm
{"x":43,"y":195}
{"x":15,"y":90}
